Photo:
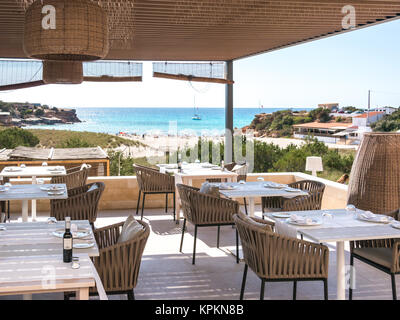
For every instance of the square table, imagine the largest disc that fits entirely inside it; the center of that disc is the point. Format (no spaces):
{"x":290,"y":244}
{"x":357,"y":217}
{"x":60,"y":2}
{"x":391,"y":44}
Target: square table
{"x":339,"y":227}
{"x":26,"y":192}
{"x":195,"y":171}
{"x":36,"y":238}
{"x":42,"y":274}
{"x":252,"y":190}
{"x":33,"y":171}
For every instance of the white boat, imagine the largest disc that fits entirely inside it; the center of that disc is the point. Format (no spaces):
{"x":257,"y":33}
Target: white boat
{"x":196,"y":115}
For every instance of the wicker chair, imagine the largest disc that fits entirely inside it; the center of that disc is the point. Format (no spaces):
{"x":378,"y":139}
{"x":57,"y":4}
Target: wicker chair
{"x":152,"y":181}
{"x":274,"y":257}
{"x":383,"y":254}
{"x":81,"y":204}
{"x":75,"y":177}
{"x":204,"y":210}
{"x":310,"y":202}
{"x":118,"y":264}
{"x":242,"y":176}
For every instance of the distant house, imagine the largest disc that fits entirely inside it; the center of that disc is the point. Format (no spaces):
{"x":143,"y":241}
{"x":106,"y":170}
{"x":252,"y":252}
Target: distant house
{"x":386,"y":110}
{"x":363,"y":120}
{"x":330,"y":106}
{"x":324,"y":132}
{"x":5,"y":118}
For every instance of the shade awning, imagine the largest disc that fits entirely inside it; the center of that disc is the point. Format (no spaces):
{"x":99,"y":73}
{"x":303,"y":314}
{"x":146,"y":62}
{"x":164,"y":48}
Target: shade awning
{"x":217,"y":30}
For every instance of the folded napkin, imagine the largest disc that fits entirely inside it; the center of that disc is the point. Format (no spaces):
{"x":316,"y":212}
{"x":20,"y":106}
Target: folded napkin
{"x":371,"y":216}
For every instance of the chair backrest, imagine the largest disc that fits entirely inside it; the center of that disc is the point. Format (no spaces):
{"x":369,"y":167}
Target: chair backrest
{"x":229,"y":166}
{"x":200,"y":208}
{"x":75,"y":177}
{"x":151,"y":180}
{"x":241,"y":171}
{"x":82,"y":203}
{"x":314,"y":200}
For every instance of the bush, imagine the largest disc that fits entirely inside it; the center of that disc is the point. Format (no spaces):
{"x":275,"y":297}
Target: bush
{"x":39,"y":112}
{"x":14,"y":137}
{"x":75,"y":142}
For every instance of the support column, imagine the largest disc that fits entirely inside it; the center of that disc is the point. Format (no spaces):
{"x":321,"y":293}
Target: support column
{"x":228,"y":152}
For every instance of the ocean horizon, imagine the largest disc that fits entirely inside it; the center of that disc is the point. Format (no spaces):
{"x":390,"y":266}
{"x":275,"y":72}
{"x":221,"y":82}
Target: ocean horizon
{"x":157,"y":120}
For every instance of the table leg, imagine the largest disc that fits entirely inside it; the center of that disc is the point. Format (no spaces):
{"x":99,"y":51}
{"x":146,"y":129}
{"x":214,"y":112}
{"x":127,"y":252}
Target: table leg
{"x":82,"y":294}
{"x":33,"y":209}
{"x":177,"y":206}
{"x":340,"y":265}
{"x":252,"y":209}
{"x":24,"y":210}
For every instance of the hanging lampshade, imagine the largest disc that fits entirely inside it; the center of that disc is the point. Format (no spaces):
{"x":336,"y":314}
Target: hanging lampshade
{"x":375,"y":176}
{"x":62,"y":72}
{"x":66,"y":30}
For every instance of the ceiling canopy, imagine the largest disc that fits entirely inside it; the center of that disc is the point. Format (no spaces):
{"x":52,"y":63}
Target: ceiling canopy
{"x":209,"y":30}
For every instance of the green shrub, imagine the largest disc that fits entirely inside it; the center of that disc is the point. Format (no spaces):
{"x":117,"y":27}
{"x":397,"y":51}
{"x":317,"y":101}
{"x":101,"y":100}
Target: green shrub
{"x":13,"y":137}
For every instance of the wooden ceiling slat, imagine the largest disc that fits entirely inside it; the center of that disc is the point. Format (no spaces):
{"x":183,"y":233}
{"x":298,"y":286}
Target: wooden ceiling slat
{"x":207,"y":29}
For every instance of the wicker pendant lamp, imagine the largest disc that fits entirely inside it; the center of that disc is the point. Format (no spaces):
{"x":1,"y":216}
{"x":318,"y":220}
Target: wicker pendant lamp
{"x":65,"y":30}
{"x":375,"y":175}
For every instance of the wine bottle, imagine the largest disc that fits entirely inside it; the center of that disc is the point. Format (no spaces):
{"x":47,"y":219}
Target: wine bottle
{"x":67,"y":241}
{"x":179,"y":162}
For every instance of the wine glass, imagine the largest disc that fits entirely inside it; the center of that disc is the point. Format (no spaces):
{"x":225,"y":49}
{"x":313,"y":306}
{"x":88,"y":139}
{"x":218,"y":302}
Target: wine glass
{"x":351,"y":209}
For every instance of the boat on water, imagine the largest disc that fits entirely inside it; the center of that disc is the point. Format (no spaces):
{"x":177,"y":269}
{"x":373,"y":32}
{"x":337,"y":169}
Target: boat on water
{"x":196,"y":115}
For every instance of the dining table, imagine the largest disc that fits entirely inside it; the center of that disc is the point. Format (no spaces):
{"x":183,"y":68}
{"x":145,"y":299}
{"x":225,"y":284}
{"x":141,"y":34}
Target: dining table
{"x":257,"y":189}
{"x":36,"y":247}
{"x":33,"y":172}
{"x":27,"y":192}
{"x":195,"y":171}
{"x":337,"y":226}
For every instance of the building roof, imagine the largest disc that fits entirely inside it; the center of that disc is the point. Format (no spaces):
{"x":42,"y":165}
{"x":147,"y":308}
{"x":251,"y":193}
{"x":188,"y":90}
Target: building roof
{"x":207,"y":30}
{"x":373,"y":113}
{"x":53,"y":154}
{"x":324,"y":125}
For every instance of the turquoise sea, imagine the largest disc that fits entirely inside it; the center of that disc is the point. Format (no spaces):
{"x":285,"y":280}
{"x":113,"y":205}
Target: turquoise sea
{"x":156,"y":120}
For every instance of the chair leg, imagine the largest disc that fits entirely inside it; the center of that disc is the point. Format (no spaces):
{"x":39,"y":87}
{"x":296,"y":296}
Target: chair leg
{"x":262,"y":289}
{"x":237,"y":247}
{"x":194,"y":245}
{"x":144,"y":196}
{"x":66,"y":296}
{"x":131,"y":295}
{"x":166,"y":203}
{"x":243,"y":281}
{"x":218,"y":232}
{"x":294,"y":289}
{"x":350,"y":288}
{"x":173,"y":195}
{"x":138,"y":203}
{"x":245,"y":206}
{"x":183,"y":233}
{"x":326,"y":289}
{"x":394,"y":293}
{"x":8,"y":210}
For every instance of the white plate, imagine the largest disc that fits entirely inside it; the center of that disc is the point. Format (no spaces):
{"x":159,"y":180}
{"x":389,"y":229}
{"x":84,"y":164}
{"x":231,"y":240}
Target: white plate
{"x":292,"y":190}
{"x":54,"y":188}
{"x":280,"y":215}
{"x":79,"y":234}
{"x":83,"y":245}
{"x":376,"y":219}
{"x":16,"y":169}
{"x":215,"y":168}
{"x":207,"y":165}
{"x":227,"y":187}
{"x":55,"y":193}
{"x":315,"y":222}
{"x":2,"y":190}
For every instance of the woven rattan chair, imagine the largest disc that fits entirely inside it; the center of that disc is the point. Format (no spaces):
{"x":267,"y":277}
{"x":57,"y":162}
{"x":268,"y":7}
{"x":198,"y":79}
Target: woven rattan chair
{"x":118,"y":264}
{"x":382,"y":254}
{"x":242,"y":176}
{"x":274,"y":257}
{"x":312,"y":201}
{"x":204,"y":210}
{"x":152,"y":181}
{"x":81,"y":204}
{"x":75,"y":177}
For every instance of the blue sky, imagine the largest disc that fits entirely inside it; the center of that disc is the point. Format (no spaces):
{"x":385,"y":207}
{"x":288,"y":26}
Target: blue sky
{"x":339,"y":69}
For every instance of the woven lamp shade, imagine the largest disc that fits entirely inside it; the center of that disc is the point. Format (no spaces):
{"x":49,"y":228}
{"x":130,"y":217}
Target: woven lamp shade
{"x":80,"y":33}
{"x":62,"y":72}
{"x":375,"y":175}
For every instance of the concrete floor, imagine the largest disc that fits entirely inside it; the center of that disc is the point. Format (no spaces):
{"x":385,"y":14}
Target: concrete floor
{"x":167,"y":274}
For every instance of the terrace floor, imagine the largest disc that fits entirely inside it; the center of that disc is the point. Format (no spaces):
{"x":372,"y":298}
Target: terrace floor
{"x":167,"y":274}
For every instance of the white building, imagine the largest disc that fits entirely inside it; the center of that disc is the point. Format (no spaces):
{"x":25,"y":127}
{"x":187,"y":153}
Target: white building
{"x":365,"y":119}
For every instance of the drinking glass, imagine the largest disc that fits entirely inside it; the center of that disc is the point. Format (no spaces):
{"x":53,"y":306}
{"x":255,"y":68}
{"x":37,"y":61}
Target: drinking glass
{"x":260,"y":179}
